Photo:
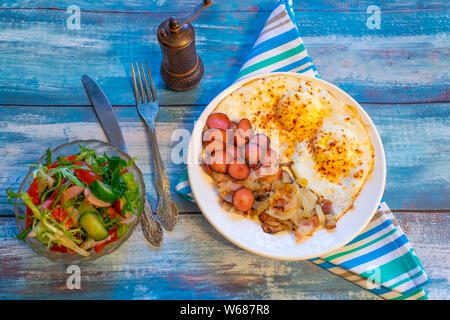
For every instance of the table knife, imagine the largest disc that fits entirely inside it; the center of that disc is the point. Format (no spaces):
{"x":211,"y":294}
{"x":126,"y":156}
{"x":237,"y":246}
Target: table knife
{"x":151,"y":228}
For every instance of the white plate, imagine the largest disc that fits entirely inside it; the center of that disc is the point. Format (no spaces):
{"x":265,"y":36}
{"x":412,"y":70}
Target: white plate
{"x":247,"y":233}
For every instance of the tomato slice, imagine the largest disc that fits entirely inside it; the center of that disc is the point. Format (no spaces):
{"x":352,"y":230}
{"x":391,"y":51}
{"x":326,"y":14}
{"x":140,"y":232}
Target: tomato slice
{"x":57,"y":214}
{"x":28,"y":219}
{"x":53,"y":195}
{"x":33,"y":192}
{"x":98,"y":248}
{"x":68,"y":224}
{"x":60,"y":214}
{"x":118,"y":206}
{"x":55,"y":163}
{"x":85,"y":175}
{"x":112,"y":213}
{"x":113,"y":232}
{"x":58,"y":248}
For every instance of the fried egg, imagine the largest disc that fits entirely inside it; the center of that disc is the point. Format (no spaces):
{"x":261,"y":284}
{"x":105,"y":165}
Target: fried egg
{"x":324,"y":140}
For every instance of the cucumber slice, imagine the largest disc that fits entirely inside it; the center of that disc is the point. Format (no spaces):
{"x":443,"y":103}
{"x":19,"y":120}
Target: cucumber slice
{"x":93,"y":225}
{"x":102,"y":191}
{"x":85,"y":207}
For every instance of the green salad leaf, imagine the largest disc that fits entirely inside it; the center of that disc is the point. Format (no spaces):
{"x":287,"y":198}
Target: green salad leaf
{"x":68,"y":174}
{"x":24,"y":233}
{"x":55,"y":219}
{"x":48,"y":158}
{"x":131,"y":184}
{"x":118,"y":184}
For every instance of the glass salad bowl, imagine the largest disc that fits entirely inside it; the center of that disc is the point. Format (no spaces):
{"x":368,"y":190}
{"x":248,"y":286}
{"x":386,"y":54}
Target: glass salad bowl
{"x":64,"y":150}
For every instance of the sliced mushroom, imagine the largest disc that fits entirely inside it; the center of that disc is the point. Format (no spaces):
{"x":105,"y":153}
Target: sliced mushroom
{"x":281,"y":204}
{"x":270,"y":224}
{"x":286,"y":177}
{"x":262,"y":196}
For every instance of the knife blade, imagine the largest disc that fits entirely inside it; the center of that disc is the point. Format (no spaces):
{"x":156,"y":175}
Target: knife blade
{"x":105,"y":114}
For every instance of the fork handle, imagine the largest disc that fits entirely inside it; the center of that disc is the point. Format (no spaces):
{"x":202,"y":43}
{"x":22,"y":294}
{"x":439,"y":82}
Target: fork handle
{"x":150,"y":227}
{"x":169,"y":216}
{"x":160,"y":170}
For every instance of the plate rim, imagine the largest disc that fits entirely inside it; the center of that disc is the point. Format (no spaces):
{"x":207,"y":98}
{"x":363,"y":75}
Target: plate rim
{"x":219,"y":97}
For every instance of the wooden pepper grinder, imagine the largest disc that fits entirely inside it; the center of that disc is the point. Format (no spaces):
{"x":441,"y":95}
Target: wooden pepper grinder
{"x":181,"y":67}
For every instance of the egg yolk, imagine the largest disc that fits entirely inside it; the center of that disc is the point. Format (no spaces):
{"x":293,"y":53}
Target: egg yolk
{"x":300,"y":114}
{"x":335,"y":155}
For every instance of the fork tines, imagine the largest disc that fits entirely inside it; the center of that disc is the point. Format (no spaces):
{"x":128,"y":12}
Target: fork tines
{"x":141,"y":95}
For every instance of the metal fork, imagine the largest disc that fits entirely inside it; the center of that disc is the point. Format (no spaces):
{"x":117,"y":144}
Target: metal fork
{"x":148,"y":106}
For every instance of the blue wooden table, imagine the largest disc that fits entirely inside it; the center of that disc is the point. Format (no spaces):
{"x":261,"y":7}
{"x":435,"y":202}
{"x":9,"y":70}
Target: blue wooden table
{"x":399,"y":72}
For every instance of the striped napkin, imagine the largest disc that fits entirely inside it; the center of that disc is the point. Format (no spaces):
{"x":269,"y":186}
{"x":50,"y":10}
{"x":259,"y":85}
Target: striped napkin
{"x":381,"y":258}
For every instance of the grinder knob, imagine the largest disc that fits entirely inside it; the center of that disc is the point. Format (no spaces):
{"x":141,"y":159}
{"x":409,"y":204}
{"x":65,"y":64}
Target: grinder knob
{"x":181,"y":67}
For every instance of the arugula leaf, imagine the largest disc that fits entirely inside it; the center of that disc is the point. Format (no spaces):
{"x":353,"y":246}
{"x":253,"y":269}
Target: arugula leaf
{"x":133,"y":202}
{"x":24,"y":233}
{"x":108,"y":222}
{"x":12,"y":195}
{"x":129,"y":180}
{"x":116,"y":163}
{"x":121,"y":230}
{"x":68,"y":174}
{"x":128,"y":205}
{"x":118,"y":184}
{"x":131,"y":162}
{"x":62,"y":161}
{"x":48,"y":159}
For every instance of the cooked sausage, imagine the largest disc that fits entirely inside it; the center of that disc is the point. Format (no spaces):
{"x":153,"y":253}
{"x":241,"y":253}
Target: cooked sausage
{"x":243,"y":199}
{"x":214,"y":134}
{"x":238,"y":171}
{"x":218,"y":120}
{"x":239,"y":138}
{"x":207,"y":169}
{"x":252,"y":153}
{"x":255,"y":166}
{"x":237,"y":153}
{"x":214,"y":146}
{"x":270,"y":164}
{"x":220,"y":161}
{"x":245,"y":124}
{"x":233,"y":125}
{"x":262,"y":140}
{"x":270,"y":158}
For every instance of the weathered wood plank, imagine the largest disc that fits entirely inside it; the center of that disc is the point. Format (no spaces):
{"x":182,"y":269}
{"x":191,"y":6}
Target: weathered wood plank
{"x":220,"y":5}
{"x":42,"y":61}
{"x":415,"y":138}
{"x":195,"y":262}
{"x":404,"y":61}
{"x":429,"y":236}
{"x":26,"y":132}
